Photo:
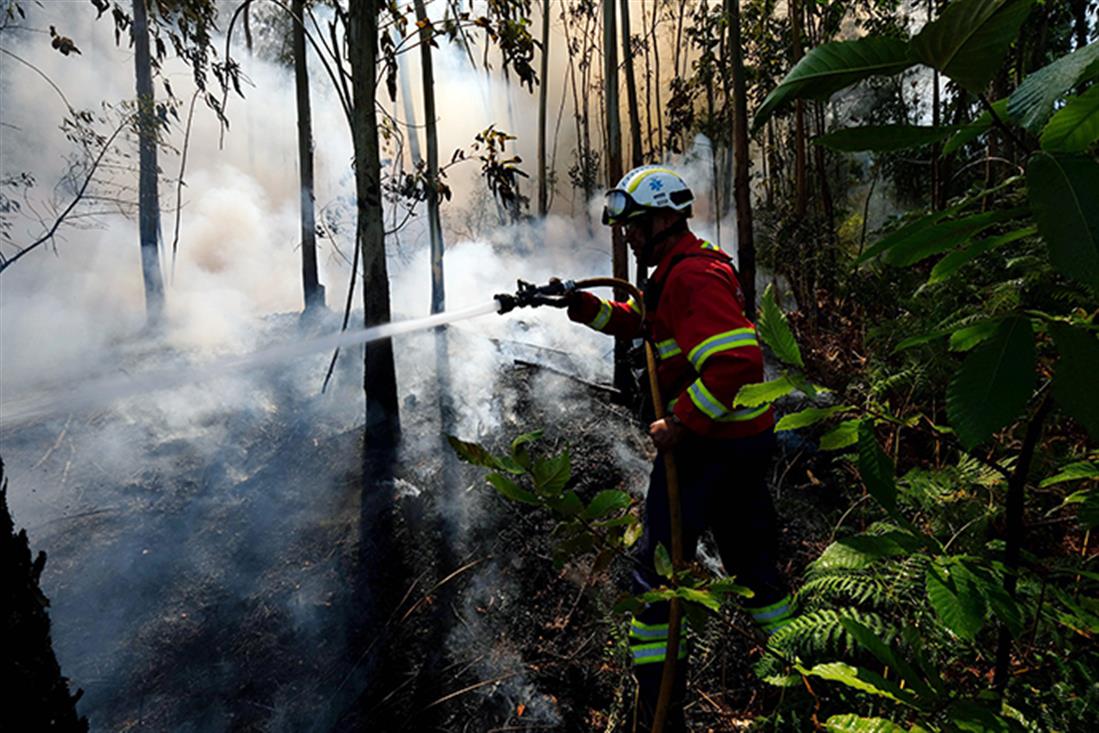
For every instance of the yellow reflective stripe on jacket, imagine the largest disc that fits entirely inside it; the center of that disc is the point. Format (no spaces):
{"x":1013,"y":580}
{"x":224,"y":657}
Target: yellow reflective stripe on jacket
{"x":667,"y":348}
{"x":724,"y":341}
{"x":603,"y":317}
{"x":652,"y":632}
{"x":709,"y":405}
{"x":653,"y":653}
{"x":633,"y":305}
{"x":711,"y":246}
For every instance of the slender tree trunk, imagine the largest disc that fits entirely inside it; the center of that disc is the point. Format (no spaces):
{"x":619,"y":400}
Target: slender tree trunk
{"x":409,"y":107}
{"x":619,"y":264}
{"x":657,"y":79}
{"x":746,"y":248}
{"x":434,"y":226}
{"x":543,"y":98}
{"x":801,"y":184}
{"x":636,"y":153}
{"x":314,"y":291}
{"x":650,"y":130}
{"x":148,"y":193}
{"x":380,"y":377}
{"x":1080,"y":17}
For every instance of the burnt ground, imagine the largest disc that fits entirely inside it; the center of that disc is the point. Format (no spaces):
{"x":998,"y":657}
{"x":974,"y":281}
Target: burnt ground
{"x":212,"y":585}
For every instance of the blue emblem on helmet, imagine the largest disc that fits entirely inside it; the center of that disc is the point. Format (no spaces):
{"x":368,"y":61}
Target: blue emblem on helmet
{"x":655,"y":184}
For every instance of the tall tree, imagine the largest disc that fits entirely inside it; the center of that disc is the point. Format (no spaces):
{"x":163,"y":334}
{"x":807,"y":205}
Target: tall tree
{"x":619,"y":264}
{"x":801,"y":183}
{"x":434,"y":226}
{"x":543,"y":98}
{"x":745,"y":240}
{"x":636,"y":153}
{"x":314,"y":291}
{"x":148,"y":184}
{"x":380,"y":377}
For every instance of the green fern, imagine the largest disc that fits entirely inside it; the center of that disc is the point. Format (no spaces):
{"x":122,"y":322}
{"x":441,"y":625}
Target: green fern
{"x":859,"y":588}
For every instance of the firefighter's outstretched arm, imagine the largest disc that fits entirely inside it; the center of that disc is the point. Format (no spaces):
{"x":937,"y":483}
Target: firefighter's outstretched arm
{"x":615,"y":318}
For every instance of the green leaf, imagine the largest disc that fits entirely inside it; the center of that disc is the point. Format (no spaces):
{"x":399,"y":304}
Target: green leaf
{"x":509,"y":489}
{"x":1088,"y":513}
{"x":967,"y":337}
{"x":960,"y":609}
{"x":775,"y":331}
{"x":662,"y":561}
{"x":978,"y":127}
{"x":473,"y":453}
{"x":859,"y":679}
{"x":1076,"y":126}
{"x":809,"y":416}
{"x":1032,"y":103}
{"x":1079,"y":471}
{"x":1074,"y":377}
{"x":954,"y":261}
{"x":568,"y":505}
{"x":993,"y":384}
{"x":607,"y":502}
{"x":940,"y":237}
{"x":972,"y":716}
{"x":969,"y":40}
{"x":833,"y":66}
{"x":729,"y":587}
{"x":876,"y":468}
{"x":754,"y":395}
{"x":883,"y":138}
{"x":552,"y":474}
{"x":894,"y":543}
{"x":843,"y":435}
{"x":519,"y":447}
{"x":869,"y":641}
{"x":701,"y":597}
{"x":851,"y":723}
{"x":1063,"y":192}
{"x":632,"y":534}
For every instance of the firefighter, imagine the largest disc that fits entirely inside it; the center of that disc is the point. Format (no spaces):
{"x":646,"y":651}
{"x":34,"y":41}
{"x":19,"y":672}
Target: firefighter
{"x":706,"y":350}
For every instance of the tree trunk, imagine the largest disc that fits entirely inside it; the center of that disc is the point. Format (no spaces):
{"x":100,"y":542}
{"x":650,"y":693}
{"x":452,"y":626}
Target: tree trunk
{"x":636,"y":153}
{"x":746,"y":248}
{"x":801,"y":184}
{"x":148,"y":195}
{"x":314,"y":291}
{"x":435,"y":229}
{"x":543,"y":98}
{"x":1080,"y":16}
{"x":619,"y":264}
{"x":380,"y":378}
{"x":656,"y":77}
{"x":409,"y":108}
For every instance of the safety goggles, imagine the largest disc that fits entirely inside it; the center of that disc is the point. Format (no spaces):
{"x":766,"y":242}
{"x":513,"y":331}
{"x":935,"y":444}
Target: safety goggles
{"x":619,"y":207}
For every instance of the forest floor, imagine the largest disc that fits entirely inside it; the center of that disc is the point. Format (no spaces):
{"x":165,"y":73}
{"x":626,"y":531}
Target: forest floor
{"x":214,"y":588}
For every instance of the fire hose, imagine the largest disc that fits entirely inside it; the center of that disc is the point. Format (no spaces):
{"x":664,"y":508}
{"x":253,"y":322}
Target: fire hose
{"x":556,"y":294}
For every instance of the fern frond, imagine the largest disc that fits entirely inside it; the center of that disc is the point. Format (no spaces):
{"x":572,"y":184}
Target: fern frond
{"x":857,"y":588}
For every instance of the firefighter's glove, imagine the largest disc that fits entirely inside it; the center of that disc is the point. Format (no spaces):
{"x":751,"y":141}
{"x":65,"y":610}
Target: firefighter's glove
{"x":666,"y":433}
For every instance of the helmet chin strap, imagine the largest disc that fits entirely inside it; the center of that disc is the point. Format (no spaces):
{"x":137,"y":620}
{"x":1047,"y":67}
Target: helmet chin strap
{"x":645,"y":260}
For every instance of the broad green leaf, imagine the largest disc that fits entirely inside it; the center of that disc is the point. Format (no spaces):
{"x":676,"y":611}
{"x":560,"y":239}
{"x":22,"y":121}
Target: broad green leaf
{"x":956,"y":603}
{"x":662,"y":562}
{"x":1076,"y":126}
{"x":974,"y":716}
{"x":1063,"y":192}
{"x":954,"y":261}
{"x":909,"y":230}
{"x":606,"y":502}
{"x":754,"y":395}
{"x":1079,"y":471}
{"x":851,"y":723}
{"x":943,"y":236}
{"x":775,"y":331}
{"x":843,"y":435}
{"x":969,"y":40}
{"x":809,"y":416}
{"x":883,"y":138}
{"x":1032,"y":103}
{"x":990,"y":586}
{"x":520,"y":452}
{"x":833,"y":66}
{"x":633,"y":534}
{"x":1088,"y":513}
{"x":860,"y":679}
{"x":993,"y":384}
{"x":568,"y":505}
{"x":978,"y":127}
{"x":966,"y":338}
{"x":478,"y":455}
{"x":509,"y":489}
{"x":876,"y":468}
{"x":729,"y":587}
{"x":1075,"y":382}
{"x":552,"y":474}
{"x":701,"y":597}
{"x":869,"y":641}
{"x":894,"y":543}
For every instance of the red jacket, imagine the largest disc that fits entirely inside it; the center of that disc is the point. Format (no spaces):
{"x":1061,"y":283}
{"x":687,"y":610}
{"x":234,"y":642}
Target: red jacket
{"x":706,"y":349}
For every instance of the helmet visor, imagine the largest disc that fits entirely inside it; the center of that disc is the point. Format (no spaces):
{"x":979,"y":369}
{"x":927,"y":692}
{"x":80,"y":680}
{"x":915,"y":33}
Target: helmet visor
{"x":618,"y":206}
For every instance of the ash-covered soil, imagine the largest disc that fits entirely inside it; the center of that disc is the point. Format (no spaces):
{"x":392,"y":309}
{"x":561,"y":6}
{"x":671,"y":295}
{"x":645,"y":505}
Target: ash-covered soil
{"x":208,"y":571}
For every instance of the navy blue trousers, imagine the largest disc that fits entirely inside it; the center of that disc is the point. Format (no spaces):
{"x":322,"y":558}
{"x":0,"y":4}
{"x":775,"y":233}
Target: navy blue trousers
{"x":723,"y":488}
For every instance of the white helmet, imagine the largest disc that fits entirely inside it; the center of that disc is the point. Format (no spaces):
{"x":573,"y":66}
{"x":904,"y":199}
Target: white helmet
{"x":644,"y":189}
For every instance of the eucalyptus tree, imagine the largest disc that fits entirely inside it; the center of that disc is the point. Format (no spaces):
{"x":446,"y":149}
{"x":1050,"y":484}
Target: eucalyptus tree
{"x":311,"y":286}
